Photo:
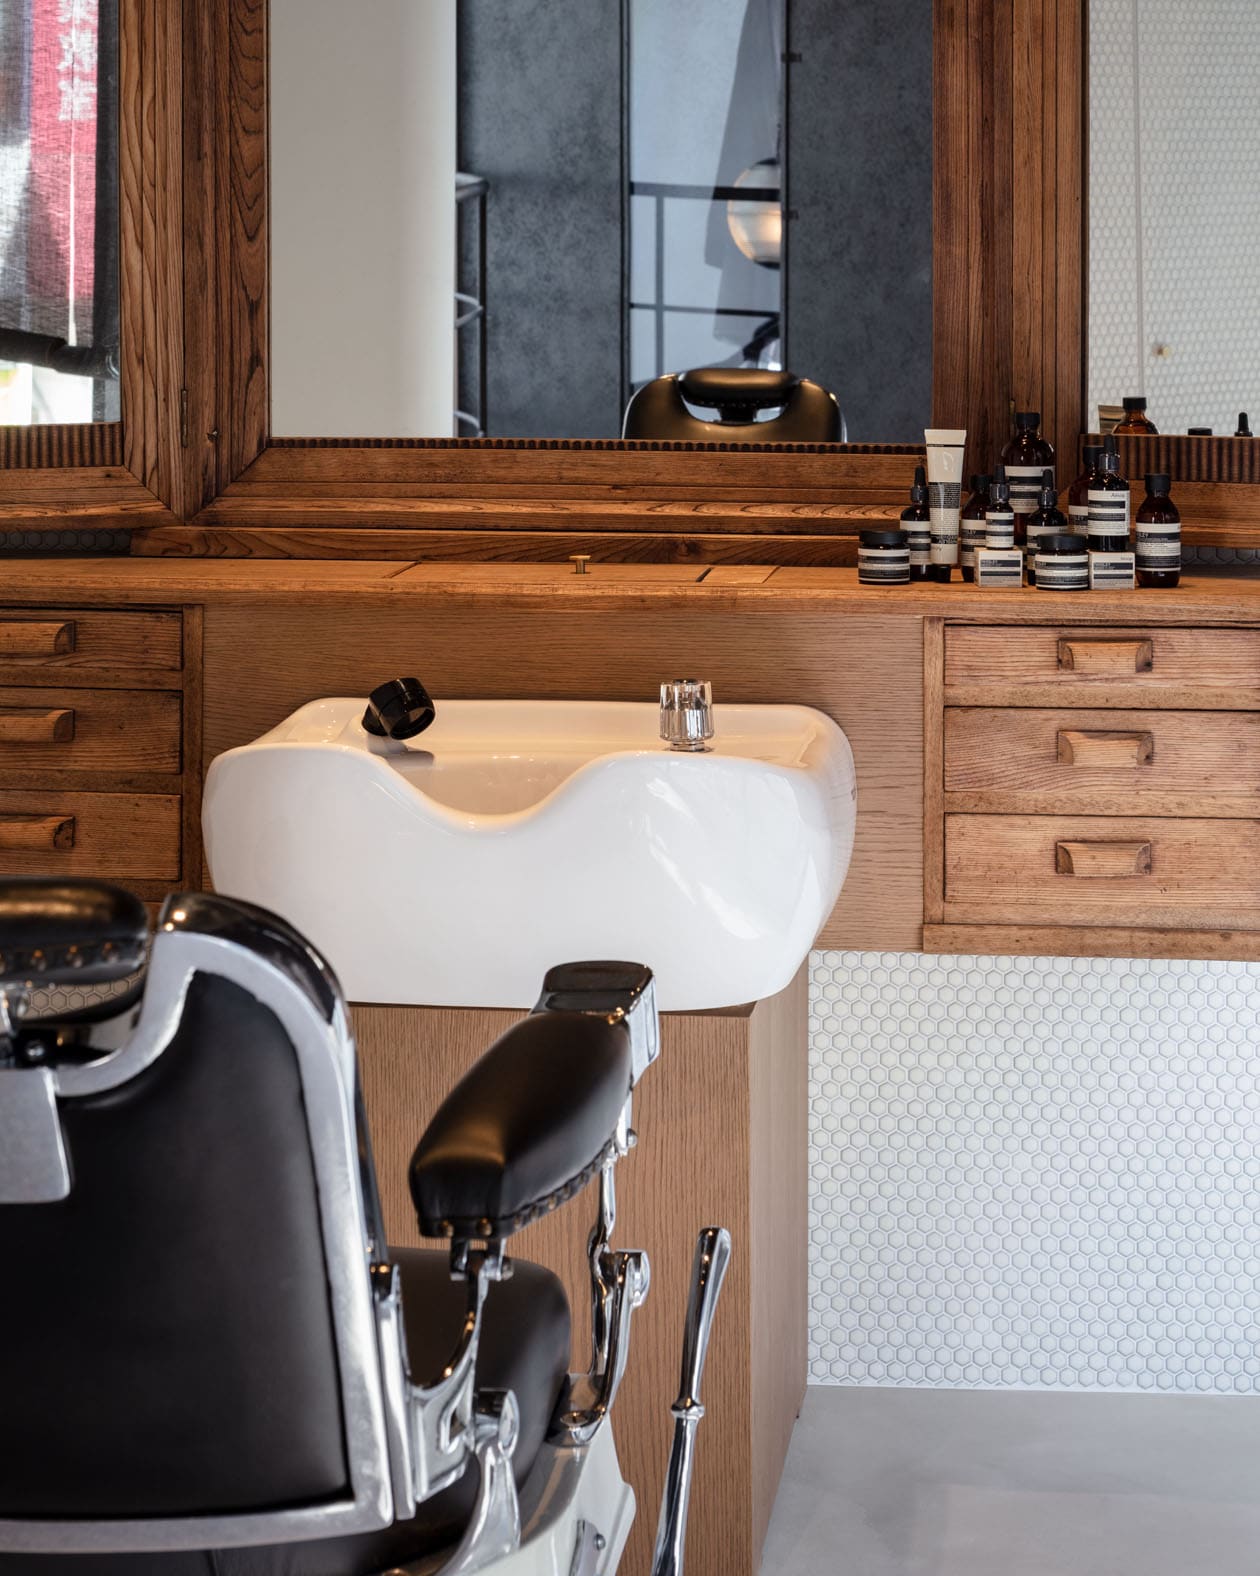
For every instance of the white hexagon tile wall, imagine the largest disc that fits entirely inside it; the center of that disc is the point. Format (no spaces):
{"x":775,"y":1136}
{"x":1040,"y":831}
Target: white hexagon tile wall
{"x":1034,"y":1173}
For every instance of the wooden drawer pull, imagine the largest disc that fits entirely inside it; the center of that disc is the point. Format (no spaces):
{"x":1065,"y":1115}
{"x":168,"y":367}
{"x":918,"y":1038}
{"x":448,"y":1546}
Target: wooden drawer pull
{"x":29,"y":725}
{"x":1102,"y":861}
{"x":29,"y":638}
{"x":36,"y":831}
{"x":1101,"y":747}
{"x":1105,"y":659}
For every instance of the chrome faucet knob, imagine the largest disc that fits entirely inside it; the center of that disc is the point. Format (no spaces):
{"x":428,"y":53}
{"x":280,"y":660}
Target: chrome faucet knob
{"x":687,"y":714}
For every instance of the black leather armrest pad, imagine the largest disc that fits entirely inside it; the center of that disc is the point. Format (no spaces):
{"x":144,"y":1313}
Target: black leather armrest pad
{"x":525,"y":1128}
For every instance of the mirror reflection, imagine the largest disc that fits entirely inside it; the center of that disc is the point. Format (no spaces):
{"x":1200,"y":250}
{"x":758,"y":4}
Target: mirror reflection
{"x":1174,"y":229}
{"x":608,"y":191}
{"x":58,"y":211}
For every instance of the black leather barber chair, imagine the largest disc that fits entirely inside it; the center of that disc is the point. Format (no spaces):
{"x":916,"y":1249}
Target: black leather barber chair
{"x":805,"y":412}
{"x":211,"y":1364}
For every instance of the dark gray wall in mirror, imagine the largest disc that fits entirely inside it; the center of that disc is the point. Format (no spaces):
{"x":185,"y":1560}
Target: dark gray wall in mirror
{"x":59,"y":318}
{"x":604,"y":240}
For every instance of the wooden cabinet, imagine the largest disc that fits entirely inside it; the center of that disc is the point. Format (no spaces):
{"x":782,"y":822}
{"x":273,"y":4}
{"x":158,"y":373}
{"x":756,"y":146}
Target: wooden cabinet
{"x":99,"y":764}
{"x":1092,"y":789}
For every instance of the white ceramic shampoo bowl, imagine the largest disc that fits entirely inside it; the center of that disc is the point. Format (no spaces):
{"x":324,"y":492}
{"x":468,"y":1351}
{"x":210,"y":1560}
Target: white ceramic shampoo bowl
{"x":455,"y":869}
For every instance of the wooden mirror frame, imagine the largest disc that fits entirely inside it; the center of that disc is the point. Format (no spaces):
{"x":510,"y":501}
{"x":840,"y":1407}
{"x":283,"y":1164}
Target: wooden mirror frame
{"x":192,"y":466}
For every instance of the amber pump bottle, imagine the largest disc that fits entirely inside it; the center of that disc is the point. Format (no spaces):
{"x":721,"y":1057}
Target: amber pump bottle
{"x":1046,"y":520}
{"x":1158,"y":536}
{"x":1078,"y":492}
{"x":1136,"y":423}
{"x":1109,"y":504}
{"x":916,"y":521}
{"x":971,"y":526}
{"x":1025,"y":457}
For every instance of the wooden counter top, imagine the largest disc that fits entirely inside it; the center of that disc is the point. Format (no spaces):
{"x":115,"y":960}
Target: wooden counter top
{"x":1214,"y":596}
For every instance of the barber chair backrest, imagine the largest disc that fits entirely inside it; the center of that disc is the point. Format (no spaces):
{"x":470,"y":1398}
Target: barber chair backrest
{"x":210,"y":1261}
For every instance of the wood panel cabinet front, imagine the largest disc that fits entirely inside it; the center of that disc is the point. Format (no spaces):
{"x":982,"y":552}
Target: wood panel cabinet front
{"x":105,"y":730}
{"x":125,"y":837}
{"x":1030,"y":665}
{"x":1102,"y":870}
{"x":1065,"y":761}
{"x":42,"y":646}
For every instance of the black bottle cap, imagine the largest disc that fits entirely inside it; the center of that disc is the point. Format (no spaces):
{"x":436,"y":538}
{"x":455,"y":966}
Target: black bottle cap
{"x":1200,"y":432}
{"x":1109,"y":459}
{"x":1062,"y":543}
{"x":1092,"y":451}
{"x":400,"y":708}
{"x":1048,"y":495}
{"x":873,"y":538}
{"x":1027,"y":420}
{"x":980,"y":484}
{"x":1134,"y":402}
{"x":999,"y":488}
{"x":1157,"y":485}
{"x":1243,"y":429}
{"x":918,"y":493}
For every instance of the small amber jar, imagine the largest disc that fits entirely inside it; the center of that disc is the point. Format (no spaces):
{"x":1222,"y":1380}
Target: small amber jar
{"x":1136,"y":423}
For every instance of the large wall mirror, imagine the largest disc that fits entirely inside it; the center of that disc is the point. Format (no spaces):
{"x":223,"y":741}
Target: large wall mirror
{"x":59,"y":219}
{"x":499,"y":218}
{"x":1174,"y":227}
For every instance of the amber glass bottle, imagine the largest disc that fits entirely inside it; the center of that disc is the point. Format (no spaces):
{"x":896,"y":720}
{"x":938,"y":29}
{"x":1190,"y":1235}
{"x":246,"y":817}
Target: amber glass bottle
{"x":1158,"y":536}
{"x":1025,"y":457}
{"x":1078,"y":492}
{"x":1136,"y":423}
{"x":916,"y":521}
{"x":1109,"y":504}
{"x":971,"y":526}
{"x":1046,"y":520}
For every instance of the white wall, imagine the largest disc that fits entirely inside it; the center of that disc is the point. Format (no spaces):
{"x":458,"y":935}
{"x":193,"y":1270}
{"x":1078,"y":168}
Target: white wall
{"x":362,"y":183}
{"x":1035,"y":1173}
{"x":1174,"y":225}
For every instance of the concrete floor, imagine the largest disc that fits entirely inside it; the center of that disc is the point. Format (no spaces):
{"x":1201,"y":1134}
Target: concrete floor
{"x":893,"y":1482}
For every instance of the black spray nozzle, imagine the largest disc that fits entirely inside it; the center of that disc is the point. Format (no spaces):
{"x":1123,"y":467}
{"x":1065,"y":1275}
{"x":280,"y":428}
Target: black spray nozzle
{"x":398,"y":709}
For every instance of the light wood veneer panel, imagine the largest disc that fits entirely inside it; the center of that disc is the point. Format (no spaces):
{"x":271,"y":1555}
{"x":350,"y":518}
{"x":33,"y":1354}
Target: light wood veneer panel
{"x":144,"y":643}
{"x":1102,"y":666}
{"x":113,"y":730}
{"x":122,"y":836}
{"x":864,"y":670}
{"x":1064,"y":761}
{"x":721,"y":1124}
{"x":1002,"y":869}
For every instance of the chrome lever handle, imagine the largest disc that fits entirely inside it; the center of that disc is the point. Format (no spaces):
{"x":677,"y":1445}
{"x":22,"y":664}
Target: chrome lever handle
{"x":708,"y":1270}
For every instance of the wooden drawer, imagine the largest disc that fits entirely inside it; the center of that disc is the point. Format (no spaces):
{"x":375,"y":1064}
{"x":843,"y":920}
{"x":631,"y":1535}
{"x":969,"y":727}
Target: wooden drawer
{"x":1100,"y":870}
{"x":105,"y":730}
{"x":1096,"y":666}
{"x":118,"y":835}
{"x":1073,"y":761}
{"x":59,"y":642}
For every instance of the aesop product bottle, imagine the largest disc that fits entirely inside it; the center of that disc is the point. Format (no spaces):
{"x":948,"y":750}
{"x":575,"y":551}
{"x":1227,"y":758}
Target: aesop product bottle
{"x":1078,"y":492}
{"x":1109,"y":504}
{"x":1158,"y":536}
{"x":1136,"y":423}
{"x":1047,"y":520}
{"x":1062,"y":564}
{"x":972,"y":526}
{"x":883,"y":558}
{"x":916,"y":521}
{"x":1025,"y":457}
{"x":999,"y":517}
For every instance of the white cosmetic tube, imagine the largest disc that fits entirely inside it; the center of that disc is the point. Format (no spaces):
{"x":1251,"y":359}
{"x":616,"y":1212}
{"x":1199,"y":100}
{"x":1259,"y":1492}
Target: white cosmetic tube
{"x":944,"y":472}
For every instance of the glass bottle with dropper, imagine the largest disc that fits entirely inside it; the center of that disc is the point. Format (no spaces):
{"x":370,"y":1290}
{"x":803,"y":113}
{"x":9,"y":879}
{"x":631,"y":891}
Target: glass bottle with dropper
{"x":916,"y":521}
{"x":999,"y":517}
{"x":1109,"y":503}
{"x":1158,"y":536}
{"x":1046,"y":520}
{"x":971,"y":526}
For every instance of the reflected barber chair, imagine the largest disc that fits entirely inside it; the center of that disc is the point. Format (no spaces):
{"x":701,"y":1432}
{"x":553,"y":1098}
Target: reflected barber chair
{"x":804,"y":411}
{"x":212,"y":1364}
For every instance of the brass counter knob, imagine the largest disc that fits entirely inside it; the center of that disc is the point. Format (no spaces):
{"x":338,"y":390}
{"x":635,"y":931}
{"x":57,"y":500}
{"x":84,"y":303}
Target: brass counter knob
{"x":579,"y":562}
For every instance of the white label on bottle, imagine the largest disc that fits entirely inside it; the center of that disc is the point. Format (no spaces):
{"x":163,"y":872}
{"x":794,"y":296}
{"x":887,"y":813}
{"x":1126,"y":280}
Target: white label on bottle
{"x":1062,"y":571}
{"x":1025,"y":483}
{"x":1109,"y":512}
{"x":999,"y":528}
{"x":1078,"y":518}
{"x":973,"y":536}
{"x":883,"y":566}
{"x":1158,"y":545}
{"x":920,"y":543}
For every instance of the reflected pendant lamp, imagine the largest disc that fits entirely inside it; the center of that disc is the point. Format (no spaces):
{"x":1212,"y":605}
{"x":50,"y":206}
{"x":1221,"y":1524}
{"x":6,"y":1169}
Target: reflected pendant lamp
{"x":756,"y":225}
